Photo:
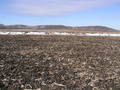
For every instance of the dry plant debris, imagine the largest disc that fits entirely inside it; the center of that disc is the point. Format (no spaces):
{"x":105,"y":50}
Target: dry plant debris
{"x":59,"y":63}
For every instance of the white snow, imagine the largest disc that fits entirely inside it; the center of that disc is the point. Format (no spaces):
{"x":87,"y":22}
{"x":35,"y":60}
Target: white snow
{"x":59,"y":33}
{"x":101,"y":34}
{"x":97,"y":34}
{"x":36,"y":33}
{"x":4,"y":33}
{"x":16,"y":33}
{"x":114,"y":35}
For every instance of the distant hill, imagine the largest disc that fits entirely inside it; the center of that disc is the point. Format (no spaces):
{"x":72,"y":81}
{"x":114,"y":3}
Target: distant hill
{"x":60,"y":27}
{"x":52,"y":27}
{"x":96,"y":29}
{"x":33,"y":27}
{"x":2,"y":26}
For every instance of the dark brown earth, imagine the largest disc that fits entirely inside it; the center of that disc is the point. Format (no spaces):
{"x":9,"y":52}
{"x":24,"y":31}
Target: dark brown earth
{"x":59,"y":63}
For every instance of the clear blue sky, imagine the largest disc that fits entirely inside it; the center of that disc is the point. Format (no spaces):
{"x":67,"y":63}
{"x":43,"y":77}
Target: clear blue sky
{"x":64,"y":12}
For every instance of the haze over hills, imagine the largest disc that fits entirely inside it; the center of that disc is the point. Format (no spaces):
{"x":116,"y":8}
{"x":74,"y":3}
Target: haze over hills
{"x":58,"y":27}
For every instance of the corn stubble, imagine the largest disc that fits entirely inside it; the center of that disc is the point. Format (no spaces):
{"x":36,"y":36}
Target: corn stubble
{"x":59,"y":63}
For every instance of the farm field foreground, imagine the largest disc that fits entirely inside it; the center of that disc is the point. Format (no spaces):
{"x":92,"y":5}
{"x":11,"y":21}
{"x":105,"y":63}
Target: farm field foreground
{"x":59,"y":62}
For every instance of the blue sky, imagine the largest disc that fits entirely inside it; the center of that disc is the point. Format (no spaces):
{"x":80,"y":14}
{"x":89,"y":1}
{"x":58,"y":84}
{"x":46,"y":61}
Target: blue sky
{"x":64,"y":12}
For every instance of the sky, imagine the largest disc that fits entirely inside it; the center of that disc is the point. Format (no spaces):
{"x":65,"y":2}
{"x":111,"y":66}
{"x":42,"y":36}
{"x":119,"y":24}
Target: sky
{"x":61,"y":12}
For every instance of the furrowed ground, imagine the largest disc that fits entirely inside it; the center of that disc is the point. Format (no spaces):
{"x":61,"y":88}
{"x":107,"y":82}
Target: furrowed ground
{"x":59,"y":63}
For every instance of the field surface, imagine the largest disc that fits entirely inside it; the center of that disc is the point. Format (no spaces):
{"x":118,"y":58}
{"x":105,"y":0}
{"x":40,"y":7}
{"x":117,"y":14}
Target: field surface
{"x":59,"y":63}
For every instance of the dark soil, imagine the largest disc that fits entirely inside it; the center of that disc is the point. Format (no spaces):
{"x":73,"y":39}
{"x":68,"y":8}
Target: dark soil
{"x":59,"y":63}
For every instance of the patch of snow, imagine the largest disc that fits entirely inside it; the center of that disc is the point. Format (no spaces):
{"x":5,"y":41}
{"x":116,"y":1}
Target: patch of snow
{"x":96,"y":34}
{"x":101,"y":34}
{"x":4,"y":33}
{"x":36,"y":33}
{"x":16,"y":33}
{"x":61,"y":33}
{"x":114,"y":34}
